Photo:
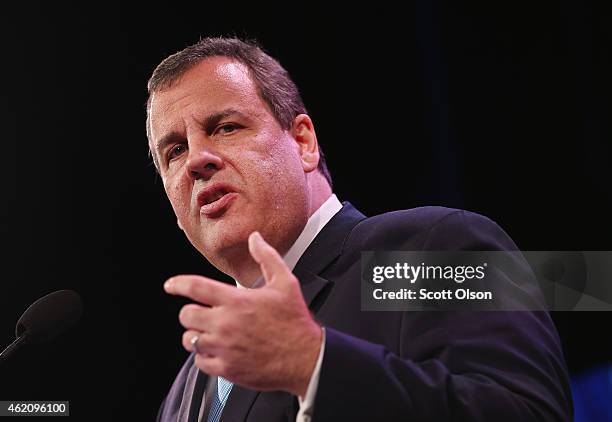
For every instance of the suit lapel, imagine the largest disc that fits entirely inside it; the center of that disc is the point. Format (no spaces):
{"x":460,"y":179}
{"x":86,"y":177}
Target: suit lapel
{"x":238,"y":404}
{"x":311,"y":283}
{"x":323,"y":250}
{"x":327,"y":246}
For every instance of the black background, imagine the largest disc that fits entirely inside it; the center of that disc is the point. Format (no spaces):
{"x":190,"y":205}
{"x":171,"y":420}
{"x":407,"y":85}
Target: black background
{"x":499,"y":109}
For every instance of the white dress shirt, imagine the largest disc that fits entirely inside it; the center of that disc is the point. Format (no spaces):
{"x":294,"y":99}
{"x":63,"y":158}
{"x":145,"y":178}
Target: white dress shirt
{"x":315,"y":223}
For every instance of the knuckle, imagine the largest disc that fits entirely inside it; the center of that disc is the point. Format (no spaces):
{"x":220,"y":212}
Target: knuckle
{"x":184,"y":314}
{"x":190,"y":288}
{"x":188,"y":314}
{"x":187,"y":335}
{"x":227,"y":330}
{"x":224,"y":330}
{"x":221,"y":344}
{"x":241,"y":301}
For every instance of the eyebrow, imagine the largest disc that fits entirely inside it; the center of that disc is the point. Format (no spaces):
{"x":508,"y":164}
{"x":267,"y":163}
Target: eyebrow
{"x":208,"y":123}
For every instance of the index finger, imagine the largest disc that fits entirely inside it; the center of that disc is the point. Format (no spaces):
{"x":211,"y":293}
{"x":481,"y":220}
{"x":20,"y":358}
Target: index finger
{"x":201,"y":289}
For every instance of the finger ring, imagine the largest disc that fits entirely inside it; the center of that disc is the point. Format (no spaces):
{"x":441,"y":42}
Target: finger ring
{"x":194,"y":343}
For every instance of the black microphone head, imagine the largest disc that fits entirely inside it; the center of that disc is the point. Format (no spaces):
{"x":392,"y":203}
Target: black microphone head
{"x":49,"y":316}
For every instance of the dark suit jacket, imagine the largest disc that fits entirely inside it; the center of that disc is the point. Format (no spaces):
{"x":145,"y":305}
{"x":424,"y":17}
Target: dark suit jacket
{"x":410,"y":366}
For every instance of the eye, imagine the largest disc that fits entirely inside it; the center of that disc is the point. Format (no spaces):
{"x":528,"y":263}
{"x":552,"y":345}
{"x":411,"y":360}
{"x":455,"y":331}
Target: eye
{"x":175,"y":151}
{"x":227,"y":128}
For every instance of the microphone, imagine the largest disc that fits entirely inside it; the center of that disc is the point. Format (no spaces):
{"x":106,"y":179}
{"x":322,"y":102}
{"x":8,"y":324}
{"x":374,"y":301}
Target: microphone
{"x":45,"y":319}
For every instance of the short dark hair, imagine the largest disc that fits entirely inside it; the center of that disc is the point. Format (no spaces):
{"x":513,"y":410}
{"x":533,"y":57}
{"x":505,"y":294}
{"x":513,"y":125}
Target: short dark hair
{"x":273,"y":82}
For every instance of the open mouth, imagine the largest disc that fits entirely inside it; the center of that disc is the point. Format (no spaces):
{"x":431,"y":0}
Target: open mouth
{"x":214,"y":196}
{"x":214,"y":200}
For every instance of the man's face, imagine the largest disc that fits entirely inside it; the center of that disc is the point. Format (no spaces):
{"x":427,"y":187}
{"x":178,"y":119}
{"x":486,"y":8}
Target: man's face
{"x":227,"y":166}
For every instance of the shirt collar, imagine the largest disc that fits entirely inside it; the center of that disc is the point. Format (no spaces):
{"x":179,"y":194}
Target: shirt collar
{"x":313,"y":226}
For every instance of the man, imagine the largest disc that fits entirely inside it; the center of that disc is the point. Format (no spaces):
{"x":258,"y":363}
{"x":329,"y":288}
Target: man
{"x":241,"y":165}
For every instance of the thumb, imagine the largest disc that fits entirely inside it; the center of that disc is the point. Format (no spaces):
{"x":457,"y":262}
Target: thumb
{"x":271,"y":263}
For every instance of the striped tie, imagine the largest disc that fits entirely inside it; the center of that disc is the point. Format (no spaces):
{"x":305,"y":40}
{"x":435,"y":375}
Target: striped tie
{"x":223,"y":389}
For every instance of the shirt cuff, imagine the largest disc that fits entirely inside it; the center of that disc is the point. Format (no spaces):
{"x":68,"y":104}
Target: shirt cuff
{"x":307,"y":403}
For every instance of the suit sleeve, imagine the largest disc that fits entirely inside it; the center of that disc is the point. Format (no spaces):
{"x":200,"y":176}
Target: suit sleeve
{"x":450,"y":366}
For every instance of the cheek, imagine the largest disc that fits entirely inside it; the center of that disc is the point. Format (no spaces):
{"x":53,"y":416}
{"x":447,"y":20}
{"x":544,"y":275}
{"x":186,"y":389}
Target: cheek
{"x":280,"y":179}
{"x":285,"y":167}
{"x":179,"y":194}
{"x":271,"y":171}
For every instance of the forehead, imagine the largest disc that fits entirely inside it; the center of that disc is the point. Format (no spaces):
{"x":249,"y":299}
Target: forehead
{"x":212,"y":85}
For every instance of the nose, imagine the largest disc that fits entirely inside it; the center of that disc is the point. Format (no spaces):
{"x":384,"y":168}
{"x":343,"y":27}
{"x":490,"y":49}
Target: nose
{"x":202,"y":163}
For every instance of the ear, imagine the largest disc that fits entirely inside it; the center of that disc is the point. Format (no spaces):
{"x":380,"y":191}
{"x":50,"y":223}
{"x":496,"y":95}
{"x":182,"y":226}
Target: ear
{"x":304,"y":134}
